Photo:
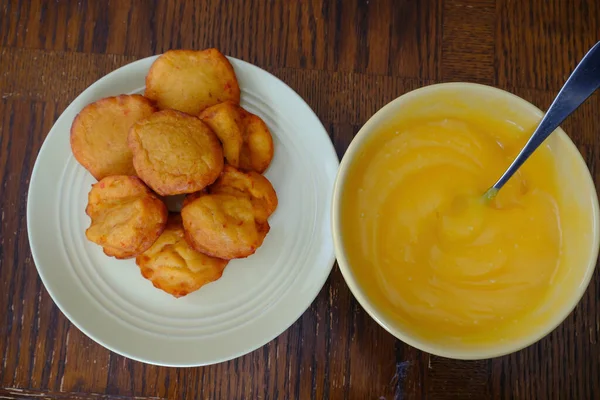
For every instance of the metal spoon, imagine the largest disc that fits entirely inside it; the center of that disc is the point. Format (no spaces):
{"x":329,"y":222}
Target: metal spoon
{"x":584,"y":80}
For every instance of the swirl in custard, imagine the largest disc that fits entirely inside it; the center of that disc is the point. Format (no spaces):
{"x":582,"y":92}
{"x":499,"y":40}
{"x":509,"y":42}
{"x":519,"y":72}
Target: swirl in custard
{"x":419,"y":234}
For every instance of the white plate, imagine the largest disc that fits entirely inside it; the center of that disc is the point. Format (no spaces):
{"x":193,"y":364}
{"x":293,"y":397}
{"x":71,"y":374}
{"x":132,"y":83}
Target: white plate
{"x":256,"y":299}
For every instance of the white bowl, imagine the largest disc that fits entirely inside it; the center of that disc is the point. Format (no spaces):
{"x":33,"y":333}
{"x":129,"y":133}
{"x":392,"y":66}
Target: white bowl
{"x":580,"y":232}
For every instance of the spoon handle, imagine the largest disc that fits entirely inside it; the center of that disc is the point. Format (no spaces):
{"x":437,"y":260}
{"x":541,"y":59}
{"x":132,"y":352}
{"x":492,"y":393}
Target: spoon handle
{"x":584,"y":80}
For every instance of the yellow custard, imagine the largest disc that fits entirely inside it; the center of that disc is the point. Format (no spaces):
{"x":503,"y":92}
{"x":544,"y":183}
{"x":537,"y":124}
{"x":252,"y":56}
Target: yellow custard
{"x":428,"y":251}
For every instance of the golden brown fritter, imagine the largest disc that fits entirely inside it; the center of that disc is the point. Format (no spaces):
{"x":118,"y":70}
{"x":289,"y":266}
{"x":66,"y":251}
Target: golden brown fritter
{"x":175,"y":267}
{"x":223,"y":226}
{"x":99,"y":134}
{"x":249,"y":184}
{"x":175,"y":153}
{"x":190,"y":81}
{"x":225,"y":120}
{"x":126,"y":216}
{"x":246,"y":139}
{"x":257,"y":150}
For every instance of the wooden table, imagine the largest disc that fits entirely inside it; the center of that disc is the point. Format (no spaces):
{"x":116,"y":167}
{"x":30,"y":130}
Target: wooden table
{"x":347,"y":59}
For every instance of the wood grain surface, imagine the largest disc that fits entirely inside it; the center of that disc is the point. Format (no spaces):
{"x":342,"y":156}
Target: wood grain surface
{"x":346,"y":58}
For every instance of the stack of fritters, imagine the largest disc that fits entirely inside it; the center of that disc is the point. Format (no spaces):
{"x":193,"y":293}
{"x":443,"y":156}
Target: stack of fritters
{"x":187,"y":135}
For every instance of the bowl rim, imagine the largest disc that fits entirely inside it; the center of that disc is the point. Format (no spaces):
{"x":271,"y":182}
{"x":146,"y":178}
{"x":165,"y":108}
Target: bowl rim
{"x":427,"y":345}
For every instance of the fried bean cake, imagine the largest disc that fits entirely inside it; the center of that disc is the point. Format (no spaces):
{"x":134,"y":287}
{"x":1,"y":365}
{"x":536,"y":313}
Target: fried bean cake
{"x":126,"y":217}
{"x":223,"y":225}
{"x":246,"y":139}
{"x":172,"y":265}
{"x":251,"y":185}
{"x":175,"y":153}
{"x":99,"y":134}
{"x":190,"y":81}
